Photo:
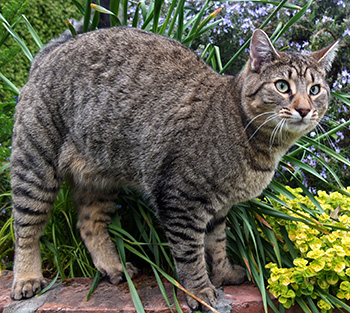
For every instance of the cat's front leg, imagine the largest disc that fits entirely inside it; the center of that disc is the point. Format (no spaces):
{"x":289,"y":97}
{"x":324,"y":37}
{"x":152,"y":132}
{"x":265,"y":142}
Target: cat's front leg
{"x":222,"y":271}
{"x":185,"y":234}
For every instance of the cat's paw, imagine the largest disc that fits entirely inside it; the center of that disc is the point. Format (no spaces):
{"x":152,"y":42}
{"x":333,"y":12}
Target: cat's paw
{"x":23,"y":289}
{"x":117,"y":275}
{"x":230,"y":275}
{"x":207,"y":294}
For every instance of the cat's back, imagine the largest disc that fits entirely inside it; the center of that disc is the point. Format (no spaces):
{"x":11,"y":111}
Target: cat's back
{"x":119,"y":65}
{"x":120,"y":48}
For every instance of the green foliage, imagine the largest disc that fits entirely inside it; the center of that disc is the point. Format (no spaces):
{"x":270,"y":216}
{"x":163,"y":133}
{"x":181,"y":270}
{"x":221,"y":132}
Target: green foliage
{"x":321,"y":260}
{"x":48,"y":20}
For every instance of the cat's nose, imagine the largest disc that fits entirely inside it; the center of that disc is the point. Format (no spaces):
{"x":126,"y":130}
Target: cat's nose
{"x":303,"y":112}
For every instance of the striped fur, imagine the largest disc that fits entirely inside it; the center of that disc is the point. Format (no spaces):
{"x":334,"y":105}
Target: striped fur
{"x":125,"y":107}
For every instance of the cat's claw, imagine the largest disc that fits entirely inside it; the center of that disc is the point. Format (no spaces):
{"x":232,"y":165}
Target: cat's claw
{"x":208,"y":295}
{"x":24,"y":289}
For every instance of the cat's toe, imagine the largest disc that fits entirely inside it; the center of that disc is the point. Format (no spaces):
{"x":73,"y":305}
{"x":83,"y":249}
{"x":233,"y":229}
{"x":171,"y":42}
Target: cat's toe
{"x":131,"y":269}
{"x":208,"y":295}
{"x":23,"y":289}
{"x":117,"y":275}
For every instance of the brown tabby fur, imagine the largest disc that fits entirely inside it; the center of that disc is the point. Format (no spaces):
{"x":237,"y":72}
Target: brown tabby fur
{"x":124,"y":107}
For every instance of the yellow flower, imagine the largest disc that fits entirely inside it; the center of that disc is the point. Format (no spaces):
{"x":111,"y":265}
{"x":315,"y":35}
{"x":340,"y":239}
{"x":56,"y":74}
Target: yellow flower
{"x":304,"y":248}
{"x":317,"y":265}
{"x":344,"y":290}
{"x":300,"y":262}
{"x":345,"y":240}
{"x":331,"y":252}
{"x":340,"y":251}
{"x":315,"y":254}
{"x":332,"y":237}
{"x":271,"y":265}
{"x":339,"y":267}
{"x":324,"y":305}
{"x":315,"y":244}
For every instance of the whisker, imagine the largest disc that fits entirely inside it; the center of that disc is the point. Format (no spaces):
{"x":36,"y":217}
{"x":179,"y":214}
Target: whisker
{"x":252,"y":120}
{"x":277,"y":130}
{"x":268,"y":119}
{"x":280,"y":135}
{"x":330,"y":143}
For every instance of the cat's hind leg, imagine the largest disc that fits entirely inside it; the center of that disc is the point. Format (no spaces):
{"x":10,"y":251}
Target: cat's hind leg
{"x":222,"y":271}
{"x":34,"y":183}
{"x":95,"y":211}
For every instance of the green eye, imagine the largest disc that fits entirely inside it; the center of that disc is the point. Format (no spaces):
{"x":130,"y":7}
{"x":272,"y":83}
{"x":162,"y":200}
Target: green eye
{"x":314,"y":90}
{"x":282,"y":86}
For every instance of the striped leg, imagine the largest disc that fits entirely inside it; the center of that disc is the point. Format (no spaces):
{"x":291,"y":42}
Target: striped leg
{"x":34,"y":189}
{"x":95,"y":213}
{"x":222,"y":271}
{"x":185,"y":234}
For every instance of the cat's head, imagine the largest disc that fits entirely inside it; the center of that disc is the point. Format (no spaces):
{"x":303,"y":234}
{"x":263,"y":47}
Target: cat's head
{"x":285,"y":94}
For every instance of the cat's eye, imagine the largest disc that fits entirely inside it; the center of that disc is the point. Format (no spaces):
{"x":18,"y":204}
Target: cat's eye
{"x":314,"y":90}
{"x":282,"y":86}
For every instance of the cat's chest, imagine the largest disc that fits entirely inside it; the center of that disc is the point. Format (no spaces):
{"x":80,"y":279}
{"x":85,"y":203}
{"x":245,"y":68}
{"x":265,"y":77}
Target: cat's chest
{"x":248,"y":184}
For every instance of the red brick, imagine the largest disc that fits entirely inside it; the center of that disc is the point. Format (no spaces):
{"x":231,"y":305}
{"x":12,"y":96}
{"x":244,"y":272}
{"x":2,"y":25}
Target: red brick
{"x":70,"y":296}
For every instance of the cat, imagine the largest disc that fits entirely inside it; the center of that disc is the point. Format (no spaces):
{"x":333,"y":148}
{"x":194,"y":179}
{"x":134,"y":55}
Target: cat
{"x":125,"y":107}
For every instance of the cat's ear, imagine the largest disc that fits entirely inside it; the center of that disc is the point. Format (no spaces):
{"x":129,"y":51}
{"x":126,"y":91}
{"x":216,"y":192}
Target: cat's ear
{"x":261,"y":50}
{"x":326,"y":55}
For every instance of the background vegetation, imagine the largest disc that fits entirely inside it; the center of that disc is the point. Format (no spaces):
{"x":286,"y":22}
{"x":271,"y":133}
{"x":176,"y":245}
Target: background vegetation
{"x":272,"y":236}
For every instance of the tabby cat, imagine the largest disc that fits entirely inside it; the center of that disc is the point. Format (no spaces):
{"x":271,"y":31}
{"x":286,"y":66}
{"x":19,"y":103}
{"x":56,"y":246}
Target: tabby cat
{"x":124,"y":107}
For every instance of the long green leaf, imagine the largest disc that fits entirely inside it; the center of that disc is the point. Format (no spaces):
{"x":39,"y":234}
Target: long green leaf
{"x":330,"y":152}
{"x":114,"y":7}
{"x":33,"y":33}
{"x":94,"y":285}
{"x":166,"y":22}
{"x":9,"y":84}
{"x":162,"y":289}
{"x":293,"y":20}
{"x":157,"y":9}
{"x":179,"y":8}
{"x":87,"y":15}
{"x":16,"y":37}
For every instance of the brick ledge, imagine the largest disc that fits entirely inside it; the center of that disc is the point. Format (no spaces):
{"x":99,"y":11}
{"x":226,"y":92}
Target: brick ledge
{"x":70,"y":296}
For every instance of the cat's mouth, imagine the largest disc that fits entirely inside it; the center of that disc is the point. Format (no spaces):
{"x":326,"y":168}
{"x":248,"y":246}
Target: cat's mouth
{"x":300,"y":125}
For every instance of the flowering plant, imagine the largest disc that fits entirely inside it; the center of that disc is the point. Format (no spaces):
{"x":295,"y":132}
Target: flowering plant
{"x":321,"y":264}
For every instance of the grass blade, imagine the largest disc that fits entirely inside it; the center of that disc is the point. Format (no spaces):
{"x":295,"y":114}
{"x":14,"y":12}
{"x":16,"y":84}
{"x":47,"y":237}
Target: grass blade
{"x":170,"y":11}
{"x":87,"y":15}
{"x":33,"y":33}
{"x":95,"y":19}
{"x":246,"y":44}
{"x":71,"y":28}
{"x":94,"y":285}
{"x":114,"y":7}
{"x":157,"y":9}
{"x":293,"y":20}
{"x":9,"y":84}
{"x":19,"y":41}
{"x":48,"y":286}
